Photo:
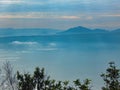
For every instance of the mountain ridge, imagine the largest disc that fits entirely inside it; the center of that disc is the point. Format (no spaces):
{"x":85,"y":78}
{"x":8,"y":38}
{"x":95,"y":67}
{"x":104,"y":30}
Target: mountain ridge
{"x":27,"y":31}
{"x":44,"y":31}
{"x":81,"y":30}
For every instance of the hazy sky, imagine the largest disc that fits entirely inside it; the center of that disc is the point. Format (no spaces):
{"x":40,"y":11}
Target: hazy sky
{"x":60,"y":14}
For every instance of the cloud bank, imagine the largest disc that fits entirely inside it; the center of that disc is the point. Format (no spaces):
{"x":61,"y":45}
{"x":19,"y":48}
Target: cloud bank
{"x":59,"y":14}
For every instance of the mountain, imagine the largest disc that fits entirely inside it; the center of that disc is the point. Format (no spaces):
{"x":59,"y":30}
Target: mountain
{"x":26,"y":32}
{"x":76,"y":34}
{"x":100,"y":31}
{"x":83,"y":30}
{"x":76,"y":30}
{"x":116,"y":31}
{"x":4,"y":32}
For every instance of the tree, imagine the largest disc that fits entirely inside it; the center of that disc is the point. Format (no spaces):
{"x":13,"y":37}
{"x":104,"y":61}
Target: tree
{"x":9,"y":79}
{"x":111,"y":77}
{"x":84,"y":86}
{"x":40,"y":81}
{"x":39,"y":78}
{"x":25,"y":82}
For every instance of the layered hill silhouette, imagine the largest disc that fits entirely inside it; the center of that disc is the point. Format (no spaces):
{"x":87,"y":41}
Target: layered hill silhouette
{"x":81,"y":30}
{"x":72,"y":35}
{"x":4,"y":32}
{"x":116,"y":31}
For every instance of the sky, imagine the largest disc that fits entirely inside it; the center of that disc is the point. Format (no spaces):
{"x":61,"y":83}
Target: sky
{"x":60,"y":14}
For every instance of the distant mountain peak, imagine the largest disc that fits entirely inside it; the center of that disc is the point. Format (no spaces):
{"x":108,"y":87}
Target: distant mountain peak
{"x":76,"y":30}
{"x":81,"y":30}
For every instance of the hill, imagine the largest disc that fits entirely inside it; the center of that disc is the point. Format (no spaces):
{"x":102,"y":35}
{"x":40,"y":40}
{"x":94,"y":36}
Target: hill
{"x":4,"y":32}
{"x":82,"y":30}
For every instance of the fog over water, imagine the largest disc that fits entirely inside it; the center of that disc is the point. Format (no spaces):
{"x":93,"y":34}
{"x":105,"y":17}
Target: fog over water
{"x":65,"y":57}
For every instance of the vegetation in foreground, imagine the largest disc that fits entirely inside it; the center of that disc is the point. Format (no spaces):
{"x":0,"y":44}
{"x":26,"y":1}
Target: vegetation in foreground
{"x":39,"y":81}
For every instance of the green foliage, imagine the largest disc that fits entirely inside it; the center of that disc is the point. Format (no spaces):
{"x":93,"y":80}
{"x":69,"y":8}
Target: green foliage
{"x":39,"y":81}
{"x":25,"y":81}
{"x":39,"y":78}
{"x":42,"y":82}
{"x":84,"y":86}
{"x":111,"y":78}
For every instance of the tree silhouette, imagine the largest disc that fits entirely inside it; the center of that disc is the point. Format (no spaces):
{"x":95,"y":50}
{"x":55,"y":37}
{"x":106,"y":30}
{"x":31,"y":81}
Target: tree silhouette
{"x":25,"y":82}
{"x":111,"y":78}
{"x":9,"y":78}
{"x":84,"y":86}
{"x":40,"y":81}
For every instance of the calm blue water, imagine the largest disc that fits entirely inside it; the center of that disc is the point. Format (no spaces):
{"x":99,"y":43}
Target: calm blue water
{"x":64,"y":57}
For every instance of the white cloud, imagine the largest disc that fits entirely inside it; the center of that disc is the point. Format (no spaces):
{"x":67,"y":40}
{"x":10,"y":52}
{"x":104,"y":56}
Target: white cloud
{"x":37,"y":15}
{"x":52,"y":44}
{"x":42,"y":2}
{"x":22,"y":15}
{"x":70,"y":17}
{"x":24,"y":43}
{"x":10,"y":1}
{"x":57,"y":20}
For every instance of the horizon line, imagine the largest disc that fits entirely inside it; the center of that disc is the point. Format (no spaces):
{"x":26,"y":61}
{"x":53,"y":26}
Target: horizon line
{"x":56,"y":28}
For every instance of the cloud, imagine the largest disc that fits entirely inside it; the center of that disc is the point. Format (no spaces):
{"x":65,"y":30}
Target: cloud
{"x":58,"y":13}
{"x":10,"y":1}
{"x":92,"y":21}
{"x":37,"y":49}
{"x":37,"y":15}
{"x":25,"y":15}
{"x":24,"y":43}
{"x":52,"y":44}
{"x":44,"y":15}
{"x":59,"y":6}
{"x":47,"y":49}
{"x":110,"y":15}
{"x":41,"y":47}
{"x":70,"y":17}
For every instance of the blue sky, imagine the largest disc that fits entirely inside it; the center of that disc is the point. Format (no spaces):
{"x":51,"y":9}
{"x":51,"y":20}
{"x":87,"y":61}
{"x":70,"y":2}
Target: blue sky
{"x":60,"y":14}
